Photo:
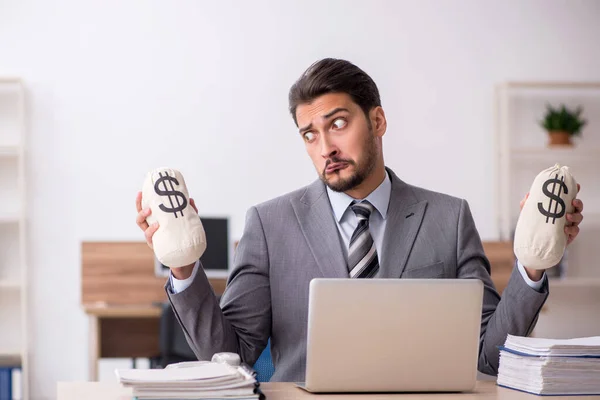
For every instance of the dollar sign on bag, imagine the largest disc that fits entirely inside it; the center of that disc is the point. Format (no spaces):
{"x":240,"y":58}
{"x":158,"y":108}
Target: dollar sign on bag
{"x":167,"y":181}
{"x":556,"y":197}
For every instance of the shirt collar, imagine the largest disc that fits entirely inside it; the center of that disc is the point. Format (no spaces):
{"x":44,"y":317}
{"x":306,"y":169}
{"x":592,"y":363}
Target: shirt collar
{"x":380,"y":198}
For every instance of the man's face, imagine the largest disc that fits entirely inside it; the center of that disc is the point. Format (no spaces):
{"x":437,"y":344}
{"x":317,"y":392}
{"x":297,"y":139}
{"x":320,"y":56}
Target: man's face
{"x":339,"y":140}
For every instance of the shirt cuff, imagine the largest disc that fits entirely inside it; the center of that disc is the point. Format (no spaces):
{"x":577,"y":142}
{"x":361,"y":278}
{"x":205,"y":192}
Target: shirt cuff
{"x":537,"y":285}
{"x":179,"y":285}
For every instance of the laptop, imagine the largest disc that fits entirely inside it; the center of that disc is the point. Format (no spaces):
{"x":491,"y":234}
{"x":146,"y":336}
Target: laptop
{"x":393,"y":335}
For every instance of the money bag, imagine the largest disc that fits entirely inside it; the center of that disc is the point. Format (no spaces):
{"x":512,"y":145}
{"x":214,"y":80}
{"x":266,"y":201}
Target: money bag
{"x":180,"y":239}
{"x":540,"y":239}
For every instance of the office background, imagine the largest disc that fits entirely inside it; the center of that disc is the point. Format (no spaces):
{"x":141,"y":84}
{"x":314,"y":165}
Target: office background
{"x":117,"y":88}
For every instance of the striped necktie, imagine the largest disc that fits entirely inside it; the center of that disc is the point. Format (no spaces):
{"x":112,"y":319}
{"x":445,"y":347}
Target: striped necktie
{"x":362,"y":253}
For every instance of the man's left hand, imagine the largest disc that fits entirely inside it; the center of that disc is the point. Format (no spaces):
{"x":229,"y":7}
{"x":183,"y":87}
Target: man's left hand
{"x":571,"y":229}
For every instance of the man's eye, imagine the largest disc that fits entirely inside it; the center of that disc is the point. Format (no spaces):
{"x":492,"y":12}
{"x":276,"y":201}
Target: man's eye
{"x":308,"y":136}
{"x":339,"y":123}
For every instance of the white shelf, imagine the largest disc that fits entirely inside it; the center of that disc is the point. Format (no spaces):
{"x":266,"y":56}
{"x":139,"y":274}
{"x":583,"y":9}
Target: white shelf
{"x":557,"y":151}
{"x":9,"y":151}
{"x":552,"y":85}
{"x":10,"y":218}
{"x":14,"y":341}
{"x":10,"y":79}
{"x":9,"y":284}
{"x":522,"y":146}
{"x":10,"y":358}
{"x":562,"y":156}
{"x":523,"y":150}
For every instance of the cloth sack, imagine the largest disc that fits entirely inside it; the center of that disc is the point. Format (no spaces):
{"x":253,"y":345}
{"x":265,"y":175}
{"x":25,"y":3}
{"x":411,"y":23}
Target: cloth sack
{"x":540,"y":239}
{"x":180,"y":239}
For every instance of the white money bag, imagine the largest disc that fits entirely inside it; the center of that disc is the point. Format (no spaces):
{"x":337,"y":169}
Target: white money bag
{"x":180,"y":239}
{"x":540,"y":239}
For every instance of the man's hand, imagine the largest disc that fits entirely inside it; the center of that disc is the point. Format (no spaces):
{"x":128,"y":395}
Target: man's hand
{"x":571,"y":229}
{"x":149,"y":230}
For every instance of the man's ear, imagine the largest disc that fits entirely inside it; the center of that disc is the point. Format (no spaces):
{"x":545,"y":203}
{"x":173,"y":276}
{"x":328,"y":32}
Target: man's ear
{"x":378,"y":121}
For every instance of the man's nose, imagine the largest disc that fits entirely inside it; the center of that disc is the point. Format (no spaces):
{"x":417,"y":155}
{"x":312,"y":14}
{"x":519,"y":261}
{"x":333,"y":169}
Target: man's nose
{"x":328,"y":149}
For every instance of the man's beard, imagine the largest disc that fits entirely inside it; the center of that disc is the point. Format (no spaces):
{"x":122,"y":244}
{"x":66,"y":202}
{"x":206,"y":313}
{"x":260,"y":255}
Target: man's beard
{"x":361,"y":170}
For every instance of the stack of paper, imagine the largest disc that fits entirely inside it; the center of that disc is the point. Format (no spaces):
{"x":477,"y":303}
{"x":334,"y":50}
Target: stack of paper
{"x":200,"y":381}
{"x":551,"y":367}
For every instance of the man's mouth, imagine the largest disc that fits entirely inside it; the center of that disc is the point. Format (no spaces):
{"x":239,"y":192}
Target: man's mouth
{"x":335,"y":167}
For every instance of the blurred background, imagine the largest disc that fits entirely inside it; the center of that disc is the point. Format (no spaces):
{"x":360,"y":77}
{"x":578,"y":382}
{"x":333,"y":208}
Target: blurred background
{"x":94,"y":94}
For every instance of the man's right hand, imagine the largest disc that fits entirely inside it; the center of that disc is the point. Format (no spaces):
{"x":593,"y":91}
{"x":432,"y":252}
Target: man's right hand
{"x":149,"y":230}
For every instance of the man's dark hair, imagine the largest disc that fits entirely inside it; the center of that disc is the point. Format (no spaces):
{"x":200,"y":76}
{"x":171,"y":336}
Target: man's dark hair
{"x":332,"y":75}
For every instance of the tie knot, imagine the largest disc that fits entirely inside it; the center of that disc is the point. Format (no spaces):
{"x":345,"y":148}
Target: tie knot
{"x":362,"y":210}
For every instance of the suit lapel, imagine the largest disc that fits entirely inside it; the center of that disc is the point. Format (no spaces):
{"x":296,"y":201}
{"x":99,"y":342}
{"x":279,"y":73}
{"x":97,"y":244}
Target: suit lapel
{"x":405,"y":214}
{"x":317,"y":223}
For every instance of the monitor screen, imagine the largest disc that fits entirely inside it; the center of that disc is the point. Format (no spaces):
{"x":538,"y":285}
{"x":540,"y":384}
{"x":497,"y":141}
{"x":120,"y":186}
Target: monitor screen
{"x":215,"y":259}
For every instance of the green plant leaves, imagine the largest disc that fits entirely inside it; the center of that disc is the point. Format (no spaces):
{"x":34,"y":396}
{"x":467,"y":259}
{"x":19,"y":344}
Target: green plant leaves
{"x":563,"y":119}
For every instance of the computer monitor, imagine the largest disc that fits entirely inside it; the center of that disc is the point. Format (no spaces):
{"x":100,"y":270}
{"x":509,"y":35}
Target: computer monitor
{"x":216,"y":257}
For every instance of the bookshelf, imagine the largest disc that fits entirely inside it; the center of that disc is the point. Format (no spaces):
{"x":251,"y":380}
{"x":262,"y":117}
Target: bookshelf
{"x":523,"y":152}
{"x":14,"y":346}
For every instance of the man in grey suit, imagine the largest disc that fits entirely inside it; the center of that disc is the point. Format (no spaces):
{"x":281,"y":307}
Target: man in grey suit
{"x":359,"y":220}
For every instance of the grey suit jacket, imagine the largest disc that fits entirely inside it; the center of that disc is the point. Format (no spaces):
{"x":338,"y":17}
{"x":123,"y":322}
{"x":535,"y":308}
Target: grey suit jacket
{"x":292,"y":239}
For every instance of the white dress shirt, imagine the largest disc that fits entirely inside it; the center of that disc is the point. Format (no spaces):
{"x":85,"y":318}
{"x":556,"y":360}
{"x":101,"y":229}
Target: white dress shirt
{"x":347,"y":221}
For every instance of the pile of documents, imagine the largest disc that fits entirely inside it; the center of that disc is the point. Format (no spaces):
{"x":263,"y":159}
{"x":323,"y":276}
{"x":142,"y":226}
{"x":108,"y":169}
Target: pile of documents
{"x":196,"y":380}
{"x":549,"y":366}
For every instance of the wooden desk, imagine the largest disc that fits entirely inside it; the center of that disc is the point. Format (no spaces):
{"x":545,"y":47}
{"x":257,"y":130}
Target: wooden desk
{"x":121,"y":331}
{"x":280,"y":391}
{"x":121,"y":296}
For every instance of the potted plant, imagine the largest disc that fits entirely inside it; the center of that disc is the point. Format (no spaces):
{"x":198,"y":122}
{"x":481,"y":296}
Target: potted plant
{"x":562,"y":123}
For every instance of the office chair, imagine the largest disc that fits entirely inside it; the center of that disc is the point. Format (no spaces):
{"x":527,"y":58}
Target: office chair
{"x":264,"y":365}
{"x":174,"y":347}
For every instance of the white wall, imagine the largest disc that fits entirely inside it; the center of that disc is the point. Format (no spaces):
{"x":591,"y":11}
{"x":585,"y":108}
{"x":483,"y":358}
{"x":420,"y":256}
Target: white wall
{"x":117,"y":88}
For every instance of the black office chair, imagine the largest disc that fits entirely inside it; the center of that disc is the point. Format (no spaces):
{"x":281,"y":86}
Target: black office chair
{"x":173,"y":345}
